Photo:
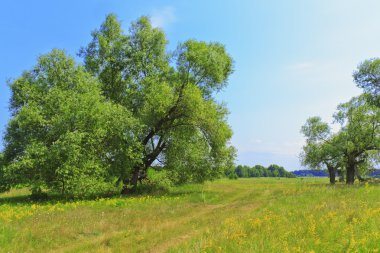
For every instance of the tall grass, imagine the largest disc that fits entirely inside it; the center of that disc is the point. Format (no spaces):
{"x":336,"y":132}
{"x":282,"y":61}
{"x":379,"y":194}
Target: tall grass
{"x":245,"y":215}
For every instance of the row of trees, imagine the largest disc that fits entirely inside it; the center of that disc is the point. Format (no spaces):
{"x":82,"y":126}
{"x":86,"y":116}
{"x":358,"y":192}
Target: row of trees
{"x":261,"y":171}
{"x":354,"y":149}
{"x":131,"y":105}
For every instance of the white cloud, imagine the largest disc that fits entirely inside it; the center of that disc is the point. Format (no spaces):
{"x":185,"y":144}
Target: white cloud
{"x":301,"y":66}
{"x":318,"y":70}
{"x":163,"y":17}
{"x":292,"y":148}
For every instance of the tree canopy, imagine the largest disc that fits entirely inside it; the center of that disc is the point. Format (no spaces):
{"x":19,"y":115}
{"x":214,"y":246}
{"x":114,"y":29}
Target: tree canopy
{"x":132,"y":105}
{"x":322,"y":149}
{"x":64,"y":135}
{"x":352,"y":148}
{"x":360,"y":122}
{"x":169,"y":94}
{"x":367,"y":77}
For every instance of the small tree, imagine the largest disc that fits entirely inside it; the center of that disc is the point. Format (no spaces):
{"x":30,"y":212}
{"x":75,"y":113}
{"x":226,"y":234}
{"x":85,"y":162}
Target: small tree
{"x":321,"y":149}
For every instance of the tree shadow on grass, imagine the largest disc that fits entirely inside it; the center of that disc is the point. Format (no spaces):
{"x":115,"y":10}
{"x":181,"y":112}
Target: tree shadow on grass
{"x":53,"y":198}
{"x":49,"y":199}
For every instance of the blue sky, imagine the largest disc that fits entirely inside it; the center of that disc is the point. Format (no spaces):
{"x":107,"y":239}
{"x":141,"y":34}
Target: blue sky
{"x":293,"y":59}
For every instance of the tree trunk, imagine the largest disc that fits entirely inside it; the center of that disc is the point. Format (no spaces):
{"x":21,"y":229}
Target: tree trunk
{"x":131,"y":181}
{"x":147,"y":162}
{"x":350,"y":173}
{"x":134,"y":179}
{"x":332,"y":172}
{"x":125,"y":189}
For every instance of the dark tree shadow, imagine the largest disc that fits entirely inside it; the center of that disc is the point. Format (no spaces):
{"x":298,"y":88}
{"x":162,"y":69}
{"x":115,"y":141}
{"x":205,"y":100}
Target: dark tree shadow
{"x":52,"y":198}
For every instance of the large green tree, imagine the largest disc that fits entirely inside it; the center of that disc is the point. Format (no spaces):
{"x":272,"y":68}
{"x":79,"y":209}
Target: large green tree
{"x":170,"y":95}
{"x":359,"y":135}
{"x":131,"y":106}
{"x":64,"y":135}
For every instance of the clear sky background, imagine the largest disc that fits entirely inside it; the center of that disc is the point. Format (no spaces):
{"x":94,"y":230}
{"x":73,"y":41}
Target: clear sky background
{"x":293,"y":59}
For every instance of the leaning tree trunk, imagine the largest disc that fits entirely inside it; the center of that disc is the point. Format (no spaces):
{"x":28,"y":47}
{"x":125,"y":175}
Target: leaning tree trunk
{"x":147,"y":162}
{"x":332,"y":172}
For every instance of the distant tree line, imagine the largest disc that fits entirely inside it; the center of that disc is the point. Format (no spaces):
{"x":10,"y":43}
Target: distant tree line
{"x":324,"y":173}
{"x":259,"y":171}
{"x":311,"y":173}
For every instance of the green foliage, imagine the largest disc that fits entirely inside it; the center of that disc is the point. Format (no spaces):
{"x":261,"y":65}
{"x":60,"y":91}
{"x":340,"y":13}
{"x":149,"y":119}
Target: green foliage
{"x":322,"y":149}
{"x":158,"y":182}
{"x":359,"y":135}
{"x":315,"y":130}
{"x":367,"y":77}
{"x":4,"y":184}
{"x":208,"y":64}
{"x":233,"y":175}
{"x":64,"y":135}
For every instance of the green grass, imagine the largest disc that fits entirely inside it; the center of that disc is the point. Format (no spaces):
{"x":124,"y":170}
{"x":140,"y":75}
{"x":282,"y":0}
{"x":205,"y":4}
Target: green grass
{"x":245,"y":215}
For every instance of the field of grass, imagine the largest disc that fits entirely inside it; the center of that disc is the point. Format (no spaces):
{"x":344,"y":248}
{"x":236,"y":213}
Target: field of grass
{"x":245,"y":215}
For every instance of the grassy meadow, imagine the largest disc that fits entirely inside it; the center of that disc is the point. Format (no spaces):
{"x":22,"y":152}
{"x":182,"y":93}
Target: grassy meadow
{"x":245,"y":215}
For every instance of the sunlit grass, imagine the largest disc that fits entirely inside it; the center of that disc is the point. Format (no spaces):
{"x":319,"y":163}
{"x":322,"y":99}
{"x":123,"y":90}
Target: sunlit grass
{"x":246,"y":215}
